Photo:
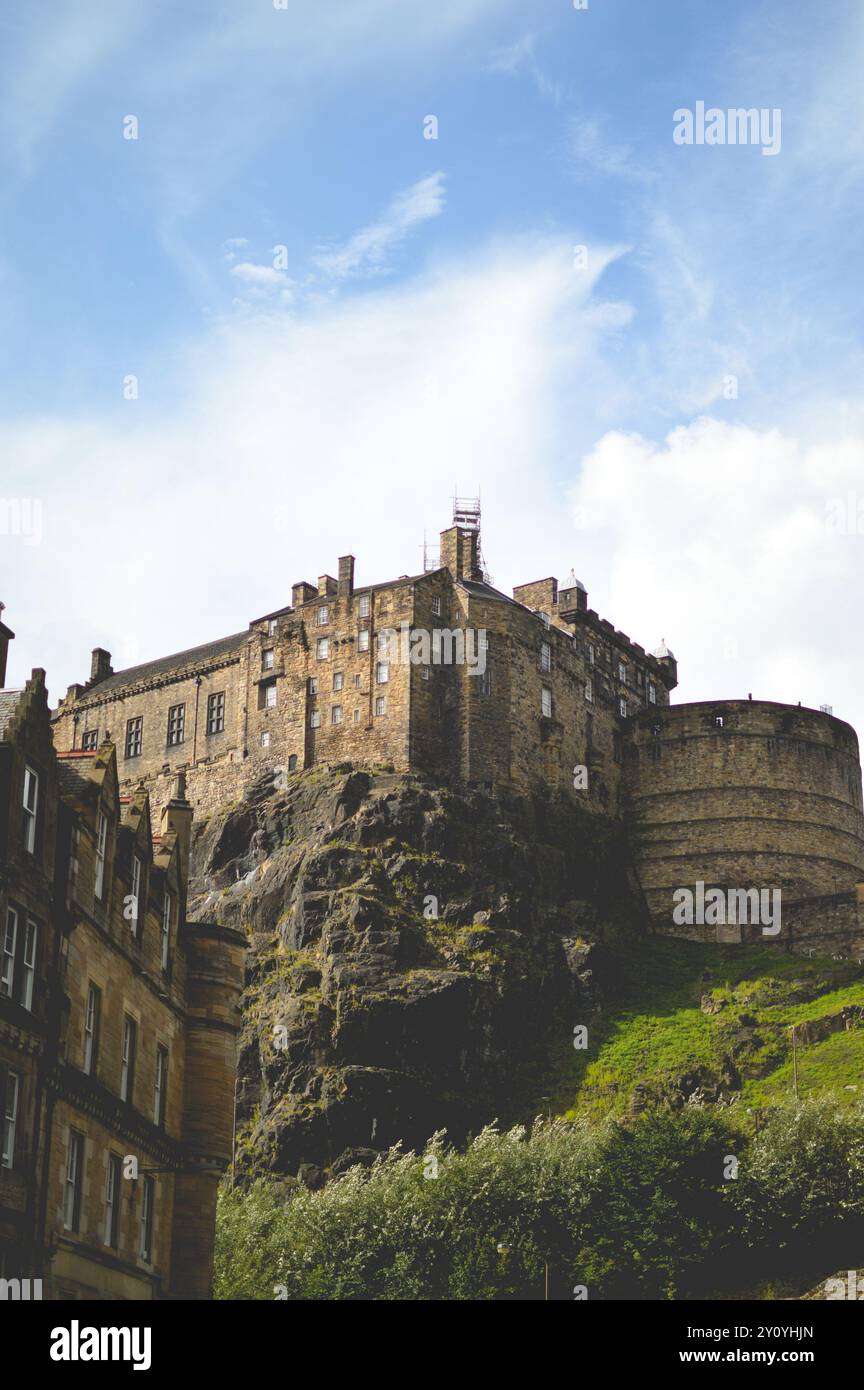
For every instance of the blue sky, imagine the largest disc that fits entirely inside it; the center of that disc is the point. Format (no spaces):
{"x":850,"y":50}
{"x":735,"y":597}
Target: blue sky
{"x":429,"y":323}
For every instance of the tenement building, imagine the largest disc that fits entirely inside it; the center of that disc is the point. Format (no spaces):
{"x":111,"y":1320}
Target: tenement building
{"x":444,"y":674}
{"x":118,"y":1023}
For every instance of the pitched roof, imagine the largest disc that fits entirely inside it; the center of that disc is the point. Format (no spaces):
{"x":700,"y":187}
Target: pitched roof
{"x":8,"y":704}
{"x":194,"y":656}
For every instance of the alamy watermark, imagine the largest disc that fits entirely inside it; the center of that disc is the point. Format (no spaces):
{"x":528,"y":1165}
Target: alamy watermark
{"x":436,"y":647}
{"x":733,"y":906}
{"x":736,"y":126}
{"x":22,"y":516}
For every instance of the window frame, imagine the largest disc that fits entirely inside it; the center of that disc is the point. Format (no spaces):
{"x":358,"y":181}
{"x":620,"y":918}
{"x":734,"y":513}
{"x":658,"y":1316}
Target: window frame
{"x":101,"y":855}
{"x":74,"y":1181}
{"x":7,"y":956}
{"x":134,"y":741}
{"x":176,"y":732}
{"x":215,"y":712}
{"x":113,"y":1189}
{"x":9,"y":1118}
{"x":127,"y":1059}
{"x":31,"y":813}
{"x":92,"y":1019}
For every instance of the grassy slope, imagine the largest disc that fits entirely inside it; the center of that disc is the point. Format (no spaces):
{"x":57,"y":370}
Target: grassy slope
{"x":653,"y":1031}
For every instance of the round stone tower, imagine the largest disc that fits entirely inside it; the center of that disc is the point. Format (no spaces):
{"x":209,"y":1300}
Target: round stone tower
{"x":743,"y":794}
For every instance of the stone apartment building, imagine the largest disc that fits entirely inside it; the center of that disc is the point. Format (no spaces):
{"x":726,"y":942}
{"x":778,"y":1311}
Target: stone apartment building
{"x":118,"y":1023}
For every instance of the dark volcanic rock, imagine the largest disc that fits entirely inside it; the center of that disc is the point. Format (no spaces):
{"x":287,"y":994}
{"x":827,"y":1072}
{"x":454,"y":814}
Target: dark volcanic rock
{"x":413,"y":952}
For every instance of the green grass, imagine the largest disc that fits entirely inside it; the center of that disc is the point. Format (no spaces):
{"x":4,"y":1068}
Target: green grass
{"x":653,"y":1033}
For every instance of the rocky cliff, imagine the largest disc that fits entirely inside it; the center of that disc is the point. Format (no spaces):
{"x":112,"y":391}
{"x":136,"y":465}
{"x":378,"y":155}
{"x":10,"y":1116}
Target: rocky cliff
{"x":414,"y":952}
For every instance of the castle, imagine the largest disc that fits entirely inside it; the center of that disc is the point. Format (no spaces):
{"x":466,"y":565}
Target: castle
{"x":730,"y":793}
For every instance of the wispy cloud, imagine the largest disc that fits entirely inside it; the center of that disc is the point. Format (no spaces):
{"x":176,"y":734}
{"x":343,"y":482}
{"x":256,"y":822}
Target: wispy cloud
{"x":593,"y":151}
{"x":368,"y":250}
{"x":520,"y":57}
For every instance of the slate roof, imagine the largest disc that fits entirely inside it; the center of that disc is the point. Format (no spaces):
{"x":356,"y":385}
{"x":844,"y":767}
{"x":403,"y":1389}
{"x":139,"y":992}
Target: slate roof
{"x":194,"y":656}
{"x":8,"y":705}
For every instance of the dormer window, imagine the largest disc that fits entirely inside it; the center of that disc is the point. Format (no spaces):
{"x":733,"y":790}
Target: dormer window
{"x":271,"y":627}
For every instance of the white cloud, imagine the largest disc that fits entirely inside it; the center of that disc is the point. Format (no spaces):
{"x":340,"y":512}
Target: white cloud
{"x":367,"y":250}
{"x":344,"y":425}
{"x":720,"y":540}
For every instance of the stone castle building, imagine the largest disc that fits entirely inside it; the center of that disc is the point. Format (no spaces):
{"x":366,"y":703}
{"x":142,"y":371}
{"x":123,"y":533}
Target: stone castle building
{"x":118,"y":1024}
{"x":731,"y":793}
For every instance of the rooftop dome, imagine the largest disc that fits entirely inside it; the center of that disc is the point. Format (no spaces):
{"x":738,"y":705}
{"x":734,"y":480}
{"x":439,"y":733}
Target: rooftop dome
{"x":663,"y":651}
{"x":574,"y":583}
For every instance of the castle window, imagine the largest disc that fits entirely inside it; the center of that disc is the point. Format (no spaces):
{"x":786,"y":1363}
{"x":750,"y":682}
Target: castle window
{"x":382,"y":673}
{"x":486,"y":683}
{"x":271,"y":627}
{"x":338,"y":680}
{"x":90,"y":740}
{"x":718,"y":721}
{"x":31,"y":807}
{"x":267,"y":659}
{"x":313,"y":685}
{"x":160,"y":1087}
{"x":640,"y":676}
{"x":380,"y":704}
{"x":216,"y":712}
{"x":264,"y":738}
{"x":363,"y":640}
{"x":101,"y":854}
{"x":134,"y":736}
{"x":655,"y":730}
{"x":136,"y":893}
{"x":315,"y":719}
{"x":546,"y":702}
{"x":424,"y":673}
{"x":92,"y":1015}
{"x":436,"y":605}
{"x":364,"y":606}
{"x":622,"y":673}
{"x":267,"y":695}
{"x":10,"y":938}
{"x":617,"y":748}
{"x":10,"y":1120}
{"x":652,"y":693}
{"x":31,"y":936}
{"x":127,"y":1065}
{"x":589,"y":691}
{"x":357,"y":680}
{"x":622,"y":708}
{"x":176,"y":725}
{"x":545,"y":656}
{"x":323,"y":615}
{"x":356,"y":716}
{"x":167,"y":919}
{"x":145,"y":1238}
{"x":73,"y":1183}
{"x":113,"y":1189}
{"x":292,"y":762}
{"x":383,"y":641}
{"x":336,"y":714}
{"x":592,"y":654}
{"x":322,"y":648}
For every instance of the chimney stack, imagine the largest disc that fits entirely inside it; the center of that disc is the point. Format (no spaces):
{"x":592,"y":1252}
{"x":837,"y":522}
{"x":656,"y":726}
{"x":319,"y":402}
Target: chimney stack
{"x":6,"y":636}
{"x":346,"y":576}
{"x":100,"y":665}
{"x":459,"y":546}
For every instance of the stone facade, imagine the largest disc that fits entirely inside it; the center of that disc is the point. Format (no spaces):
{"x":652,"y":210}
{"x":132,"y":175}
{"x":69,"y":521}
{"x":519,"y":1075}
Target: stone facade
{"x":118,"y":1022}
{"x":438,"y":673}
